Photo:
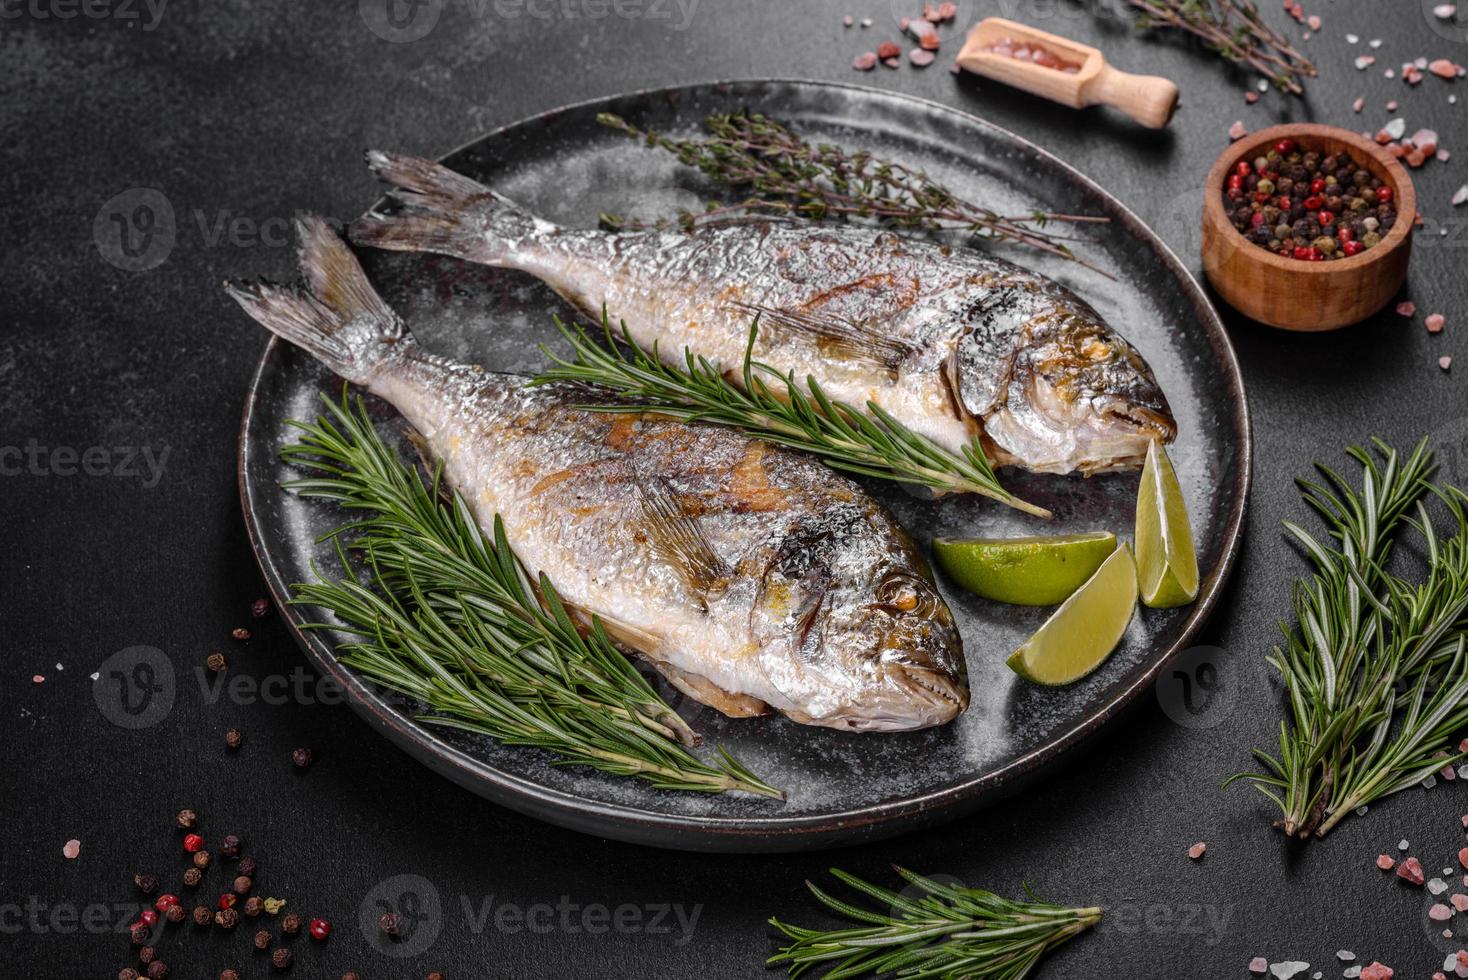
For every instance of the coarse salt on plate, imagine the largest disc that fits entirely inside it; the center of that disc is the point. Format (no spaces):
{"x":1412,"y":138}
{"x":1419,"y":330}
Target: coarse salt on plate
{"x":1384,"y":862}
{"x":1197,"y":850}
{"x":1436,"y":322}
{"x":1408,"y":308}
{"x":71,"y":849}
{"x":1410,"y":871}
{"x":1445,"y":362}
{"x":1238,"y":130}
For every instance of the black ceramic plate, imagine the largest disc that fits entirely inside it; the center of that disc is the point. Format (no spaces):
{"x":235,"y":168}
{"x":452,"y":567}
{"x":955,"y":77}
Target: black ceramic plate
{"x":842,"y":787}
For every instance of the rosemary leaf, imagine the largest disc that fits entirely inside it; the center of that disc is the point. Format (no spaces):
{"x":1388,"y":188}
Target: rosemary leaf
{"x":1376,"y":668}
{"x":450,"y":618}
{"x":942,"y":930}
{"x":773,"y":407}
{"x":781,"y":173}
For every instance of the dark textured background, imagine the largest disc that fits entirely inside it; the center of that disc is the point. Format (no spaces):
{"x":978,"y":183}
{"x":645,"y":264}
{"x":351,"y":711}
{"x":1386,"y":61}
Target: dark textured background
{"x":253,"y":111}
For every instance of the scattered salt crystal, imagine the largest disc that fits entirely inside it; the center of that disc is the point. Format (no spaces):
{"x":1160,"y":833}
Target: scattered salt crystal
{"x":920,"y":57}
{"x":1459,"y":900}
{"x":1345,"y":955}
{"x":1445,"y":362}
{"x":1444,"y":11}
{"x":1197,"y":850}
{"x":59,"y":667}
{"x":1375,"y":42}
{"x":1384,"y":862}
{"x":1389,"y":73}
{"x":1429,"y":782}
{"x":1435,"y":324}
{"x":1364,"y":62}
{"x":1443,"y":68}
{"x":1444,"y":156}
{"x":865,"y":61}
{"x":1453,"y":99}
{"x":1258,"y":965}
{"x":866,"y":22}
{"x":1361,"y":811}
{"x":98,"y":674}
{"x":1439,"y":912}
{"x":1392,"y":106}
{"x":1314,"y":23}
{"x":1238,"y":130}
{"x":1460,"y":197}
{"x":1358,"y":105}
{"x":38,"y":679}
{"x":1352,"y":971}
{"x":848,"y":20}
{"x":1288,"y":969}
{"x":1377,"y":972}
{"x":1409,"y":308}
{"x":1402,"y":844}
{"x":1396,"y":129}
{"x":1410,"y":870}
{"x":1263,"y":85}
{"x":1437,"y":886}
{"x":1353,"y":39}
{"x":71,"y":849}
{"x":1251,"y":97}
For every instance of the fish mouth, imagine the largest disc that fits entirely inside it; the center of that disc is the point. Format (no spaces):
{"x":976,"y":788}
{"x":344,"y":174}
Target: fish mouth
{"x":937,"y":690}
{"x":1151,"y":423}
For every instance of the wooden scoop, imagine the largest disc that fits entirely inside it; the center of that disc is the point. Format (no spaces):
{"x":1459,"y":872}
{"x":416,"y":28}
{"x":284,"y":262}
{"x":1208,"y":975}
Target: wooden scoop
{"x":1084,"y":78}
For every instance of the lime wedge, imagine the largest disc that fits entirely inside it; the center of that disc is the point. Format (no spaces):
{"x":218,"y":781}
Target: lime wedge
{"x":1039,"y":571}
{"x":1167,"y":566}
{"x":1080,"y":635}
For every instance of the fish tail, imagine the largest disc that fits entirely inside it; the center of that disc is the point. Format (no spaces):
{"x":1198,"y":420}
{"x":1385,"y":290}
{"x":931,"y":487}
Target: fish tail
{"x":442,"y":211}
{"x":336,"y":316}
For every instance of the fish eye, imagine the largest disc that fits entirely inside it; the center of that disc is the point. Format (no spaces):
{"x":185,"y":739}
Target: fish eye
{"x":903,"y":593}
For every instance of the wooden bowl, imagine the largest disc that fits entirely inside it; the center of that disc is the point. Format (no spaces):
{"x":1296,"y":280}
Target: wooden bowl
{"x":1289,"y":293}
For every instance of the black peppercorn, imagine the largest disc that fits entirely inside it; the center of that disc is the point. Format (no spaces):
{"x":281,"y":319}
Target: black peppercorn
{"x":260,"y":608}
{"x":301,"y":757}
{"x":226,"y":918}
{"x":390,"y":923}
{"x":230,"y":846}
{"x":186,"y":819}
{"x":248,"y":866}
{"x":290,"y":924}
{"x":233,"y":738}
{"x":193,"y":876}
{"x":175,"y":913}
{"x":240,"y":633}
{"x":139,"y":932}
{"x":147,"y":955}
{"x":228,"y":974}
{"x":215,"y":662}
{"x":202,"y":915}
{"x":351,"y":975}
{"x":127,"y":973}
{"x":157,"y":970}
{"x":262,"y":939}
{"x":254,"y":906}
{"x":201,"y":859}
{"x":147,"y":884}
{"x":243,"y":884}
{"x":281,"y":958}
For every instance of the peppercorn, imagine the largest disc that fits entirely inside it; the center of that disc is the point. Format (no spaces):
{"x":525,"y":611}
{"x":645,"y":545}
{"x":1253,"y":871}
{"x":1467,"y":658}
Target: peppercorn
{"x":186,"y":819}
{"x":233,"y":738}
{"x":320,"y":929}
{"x":228,"y":974}
{"x":226,"y":901}
{"x":193,"y":876}
{"x":253,"y":906}
{"x":390,"y":923}
{"x":260,"y":608}
{"x":202,"y":915}
{"x":193,"y":843}
{"x":290,"y":924}
{"x":127,"y":973}
{"x":147,"y":884}
{"x":201,"y":860}
{"x":175,"y":913}
{"x":262,"y":939}
{"x":139,"y":933}
{"x":248,"y":866}
{"x":157,"y":970}
{"x":281,"y":958}
{"x":215,"y":662}
{"x":301,"y":757}
{"x":230,"y":846}
{"x":164,"y":901}
{"x":240,"y":633}
{"x":147,"y":955}
{"x":226,"y":918}
{"x":243,"y":884}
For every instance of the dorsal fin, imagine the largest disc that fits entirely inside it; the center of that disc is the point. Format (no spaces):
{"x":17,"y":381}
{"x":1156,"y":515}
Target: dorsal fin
{"x":678,"y":540}
{"x":836,"y":335}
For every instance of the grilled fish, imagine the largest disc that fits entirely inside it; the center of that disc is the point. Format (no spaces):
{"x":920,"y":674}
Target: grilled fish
{"x":753,"y":577}
{"x":953,"y":343}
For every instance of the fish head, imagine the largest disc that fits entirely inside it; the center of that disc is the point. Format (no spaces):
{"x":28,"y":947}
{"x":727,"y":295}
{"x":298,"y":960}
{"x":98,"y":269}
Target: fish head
{"x":1056,"y":390}
{"x":853,"y":630}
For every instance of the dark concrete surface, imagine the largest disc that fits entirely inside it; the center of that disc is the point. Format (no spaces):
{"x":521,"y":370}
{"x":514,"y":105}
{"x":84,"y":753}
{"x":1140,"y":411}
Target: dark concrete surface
{"x":239,"y":114}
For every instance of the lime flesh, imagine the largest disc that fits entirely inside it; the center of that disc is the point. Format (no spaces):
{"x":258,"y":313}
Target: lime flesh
{"x":1038,"y":571}
{"x":1167,"y":565}
{"x":1080,"y":635}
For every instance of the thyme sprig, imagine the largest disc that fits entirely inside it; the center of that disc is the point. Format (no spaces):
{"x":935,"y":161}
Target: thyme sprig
{"x":773,"y":407}
{"x":781,"y":173}
{"x":449,"y":617}
{"x":1235,"y":31}
{"x":1376,"y":669}
{"x":943,"y":931}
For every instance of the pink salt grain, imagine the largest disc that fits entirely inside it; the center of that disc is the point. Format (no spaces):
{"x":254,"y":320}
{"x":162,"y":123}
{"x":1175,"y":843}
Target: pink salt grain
{"x":1443,"y":68}
{"x":920,"y":57}
{"x":1358,"y":105}
{"x":1436,"y":322}
{"x":1409,"y":309}
{"x":1251,"y":97}
{"x":1238,"y":130}
{"x":1377,"y":971}
{"x":38,"y":679}
{"x":1384,"y":862}
{"x":1445,"y":362}
{"x":71,"y":850}
{"x":1460,"y":901}
{"x":865,"y":61}
{"x":1439,"y":913}
{"x":1410,"y":871}
{"x":1197,"y":850}
{"x":1258,"y":965}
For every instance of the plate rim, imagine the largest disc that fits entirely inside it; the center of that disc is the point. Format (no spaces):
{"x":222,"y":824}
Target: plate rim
{"x":775,"y":833}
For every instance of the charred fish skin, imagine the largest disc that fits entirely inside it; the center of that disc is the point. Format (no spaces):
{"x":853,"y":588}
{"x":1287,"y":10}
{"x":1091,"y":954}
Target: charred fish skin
{"x":754,"y":578}
{"x":953,"y":343}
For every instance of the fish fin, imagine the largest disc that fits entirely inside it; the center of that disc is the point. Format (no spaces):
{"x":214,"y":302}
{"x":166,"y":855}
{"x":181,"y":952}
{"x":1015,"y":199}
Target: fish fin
{"x":679,"y":541}
{"x":337,"y":317}
{"x":837,"y":335}
{"x":440,"y":210}
{"x":705,"y":691}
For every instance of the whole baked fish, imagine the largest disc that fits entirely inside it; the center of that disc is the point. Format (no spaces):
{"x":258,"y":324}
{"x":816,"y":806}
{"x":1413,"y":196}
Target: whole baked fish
{"x":951,"y":342}
{"x":754,"y":578}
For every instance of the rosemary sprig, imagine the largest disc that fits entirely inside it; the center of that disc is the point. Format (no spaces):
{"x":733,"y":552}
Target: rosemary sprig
{"x":774,"y":407}
{"x":944,"y":931}
{"x":1376,"y":670}
{"x":780,"y":172}
{"x":1234,"y":30}
{"x":450,"y":618}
